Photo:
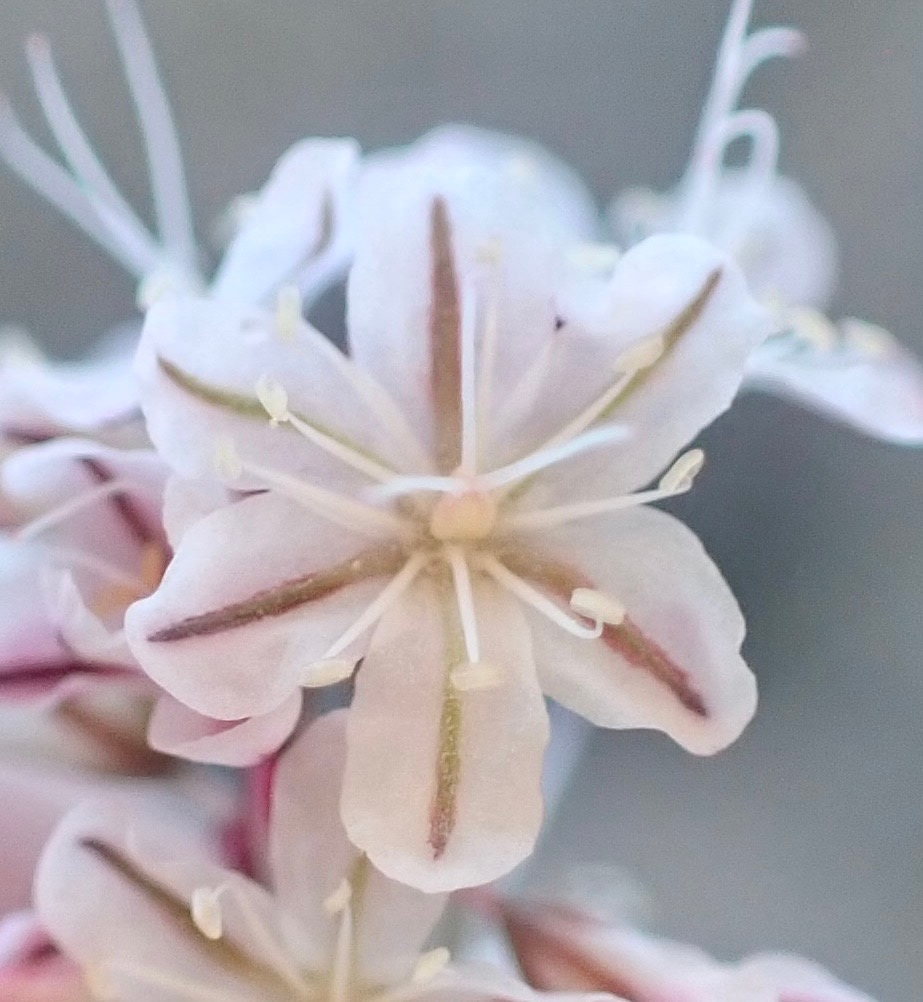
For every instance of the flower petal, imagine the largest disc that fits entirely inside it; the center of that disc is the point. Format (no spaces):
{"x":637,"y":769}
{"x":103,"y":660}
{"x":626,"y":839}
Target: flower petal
{"x":256,"y":592}
{"x":298,"y":230}
{"x":125,"y":914}
{"x":176,"y":730}
{"x":861,"y":376}
{"x":311,"y":855}
{"x":680,"y":289}
{"x":199,"y":362}
{"x":465,"y":766}
{"x":446,"y":227}
{"x":674,"y":664}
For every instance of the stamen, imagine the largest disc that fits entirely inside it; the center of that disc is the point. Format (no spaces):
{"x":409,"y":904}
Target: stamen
{"x":69,"y":508}
{"x":386,"y":598}
{"x":77,"y":150}
{"x":158,"y":131}
{"x":681,"y":475}
{"x":53,"y":183}
{"x":464,"y":596}
{"x":551,"y":455}
{"x":336,"y":508}
{"x":760,"y":127}
{"x":469,"y":401}
{"x":429,"y":965}
{"x":677,"y":480}
{"x":636,"y":358}
{"x":534,"y":598}
{"x":339,"y":899}
{"x":342,"y":958}
{"x":274,"y":399}
{"x":288,"y":312}
{"x":206,"y":912}
{"x":598,"y":606}
{"x":398,"y":486}
{"x":178,"y":988}
{"x":329,"y":671}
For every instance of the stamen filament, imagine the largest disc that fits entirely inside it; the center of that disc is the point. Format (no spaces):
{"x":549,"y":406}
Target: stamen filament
{"x":76,"y":147}
{"x":274,"y":399}
{"x":464,"y":596}
{"x":64,"y":511}
{"x":337,"y":508}
{"x":551,"y":455}
{"x":399,"y":486}
{"x":381,"y":604}
{"x":342,"y":958}
{"x":158,"y":131}
{"x":52,"y":182}
{"x":536,"y":600}
{"x":180,"y":988}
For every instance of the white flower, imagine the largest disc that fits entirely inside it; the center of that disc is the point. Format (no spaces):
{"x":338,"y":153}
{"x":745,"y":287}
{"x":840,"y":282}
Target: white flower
{"x":474,"y":506}
{"x":851,"y":371}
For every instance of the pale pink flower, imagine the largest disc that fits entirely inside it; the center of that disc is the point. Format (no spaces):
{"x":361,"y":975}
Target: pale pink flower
{"x":464,"y":488}
{"x":168,"y":925}
{"x":563,"y":950}
{"x":852,"y":371}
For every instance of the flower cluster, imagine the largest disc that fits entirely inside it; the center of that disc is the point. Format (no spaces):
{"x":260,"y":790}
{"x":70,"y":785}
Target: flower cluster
{"x":446,"y":525}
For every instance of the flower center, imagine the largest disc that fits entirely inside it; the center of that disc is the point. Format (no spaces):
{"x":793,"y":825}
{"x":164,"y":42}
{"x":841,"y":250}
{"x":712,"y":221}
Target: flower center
{"x":459,"y":517}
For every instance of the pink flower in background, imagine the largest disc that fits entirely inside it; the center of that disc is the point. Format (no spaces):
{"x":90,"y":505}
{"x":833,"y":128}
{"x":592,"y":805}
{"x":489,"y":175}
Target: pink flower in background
{"x":563,"y":950}
{"x":473,"y":506}
{"x":852,"y":371}
{"x":161,"y":923}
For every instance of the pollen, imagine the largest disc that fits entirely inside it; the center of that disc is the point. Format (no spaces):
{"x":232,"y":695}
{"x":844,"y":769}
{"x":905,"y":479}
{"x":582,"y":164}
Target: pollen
{"x":469,"y":515}
{"x":206,"y":913}
{"x":429,"y":965}
{"x":597,"y":605}
{"x":339,"y":899}
{"x":326,"y":672}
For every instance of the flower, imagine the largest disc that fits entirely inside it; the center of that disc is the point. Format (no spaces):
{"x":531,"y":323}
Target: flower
{"x":852,"y":371}
{"x":330,"y":927}
{"x":564,"y":950}
{"x":475,"y":503}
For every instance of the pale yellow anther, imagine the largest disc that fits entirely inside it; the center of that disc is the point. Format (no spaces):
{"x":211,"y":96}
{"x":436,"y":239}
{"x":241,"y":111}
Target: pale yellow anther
{"x":429,"y":965}
{"x":473,"y":677}
{"x":326,"y":672}
{"x":681,"y":475}
{"x":641,"y":355}
{"x":597,"y":606}
{"x":468,"y":515}
{"x":867,"y":339}
{"x":99,"y":984}
{"x":227,"y":462}
{"x":339,"y":899}
{"x":206,"y":912}
{"x":271,"y":394}
{"x":288,"y":312}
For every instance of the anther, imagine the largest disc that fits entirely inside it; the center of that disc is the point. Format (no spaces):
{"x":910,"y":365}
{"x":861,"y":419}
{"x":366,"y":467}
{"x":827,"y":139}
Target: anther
{"x":227,"y":462}
{"x":339,"y":899}
{"x":206,"y":912}
{"x":472,"y":677}
{"x":597,"y":606}
{"x":288,"y":312}
{"x":681,"y":475}
{"x":641,"y":355}
{"x":429,"y":965}
{"x":326,"y":672}
{"x":271,"y":394}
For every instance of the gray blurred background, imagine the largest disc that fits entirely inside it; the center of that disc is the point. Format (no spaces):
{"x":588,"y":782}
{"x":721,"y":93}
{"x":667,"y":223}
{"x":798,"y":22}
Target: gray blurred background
{"x":806,"y":834}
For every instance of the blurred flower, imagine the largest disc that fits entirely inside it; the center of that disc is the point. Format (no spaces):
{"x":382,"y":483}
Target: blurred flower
{"x":564,"y":950}
{"x":526,"y":386}
{"x":851,"y":371}
{"x":330,"y":927}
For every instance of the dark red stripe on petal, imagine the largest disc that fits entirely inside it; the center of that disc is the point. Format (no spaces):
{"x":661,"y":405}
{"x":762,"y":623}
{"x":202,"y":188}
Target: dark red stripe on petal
{"x":285,"y":597}
{"x":224,"y":952}
{"x":47,"y":674}
{"x":627,"y":640}
{"x":122,"y":503}
{"x":445,"y":340}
